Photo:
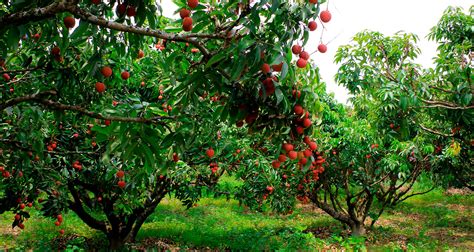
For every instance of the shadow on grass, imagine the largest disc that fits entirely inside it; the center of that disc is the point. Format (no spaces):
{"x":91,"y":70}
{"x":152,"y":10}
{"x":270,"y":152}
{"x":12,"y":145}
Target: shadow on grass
{"x":225,"y":225}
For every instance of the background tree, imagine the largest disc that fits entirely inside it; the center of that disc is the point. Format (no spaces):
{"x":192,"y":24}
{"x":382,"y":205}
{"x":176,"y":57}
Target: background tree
{"x":107,"y":106}
{"x":376,"y":151}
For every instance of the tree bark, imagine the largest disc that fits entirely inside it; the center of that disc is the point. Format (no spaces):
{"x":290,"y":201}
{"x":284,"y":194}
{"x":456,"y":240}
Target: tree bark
{"x":358,"y":229}
{"x":116,"y":241}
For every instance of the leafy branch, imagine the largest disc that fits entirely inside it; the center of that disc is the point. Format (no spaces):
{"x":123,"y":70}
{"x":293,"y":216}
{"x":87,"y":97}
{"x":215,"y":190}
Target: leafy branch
{"x":39,"y":98}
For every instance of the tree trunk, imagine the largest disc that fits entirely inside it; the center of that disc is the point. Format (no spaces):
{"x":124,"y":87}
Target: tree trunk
{"x":358,"y":229}
{"x":116,"y":242}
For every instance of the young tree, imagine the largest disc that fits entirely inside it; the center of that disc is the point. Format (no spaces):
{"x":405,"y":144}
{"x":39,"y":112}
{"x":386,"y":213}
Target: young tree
{"x":376,"y":151}
{"x":107,"y":106}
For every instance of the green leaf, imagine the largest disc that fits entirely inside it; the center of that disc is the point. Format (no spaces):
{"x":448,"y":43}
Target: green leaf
{"x":216,"y":58}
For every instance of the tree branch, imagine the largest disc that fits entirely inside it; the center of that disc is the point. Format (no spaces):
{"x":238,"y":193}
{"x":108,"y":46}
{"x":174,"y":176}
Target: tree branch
{"x":15,"y":101}
{"x":37,"y":14}
{"x":83,"y":111}
{"x":21,"y":70}
{"x":434,"y":131}
{"x":187,"y":38}
{"x":76,"y":206}
{"x":443,"y":104}
{"x":37,"y":98}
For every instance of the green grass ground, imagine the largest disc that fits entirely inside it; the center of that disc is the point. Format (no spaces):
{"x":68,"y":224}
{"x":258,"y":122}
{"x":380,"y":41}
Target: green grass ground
{"x":434,"y":221}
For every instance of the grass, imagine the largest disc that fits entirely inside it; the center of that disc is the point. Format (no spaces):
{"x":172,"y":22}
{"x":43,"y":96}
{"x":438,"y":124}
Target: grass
{"x":428,"y":222}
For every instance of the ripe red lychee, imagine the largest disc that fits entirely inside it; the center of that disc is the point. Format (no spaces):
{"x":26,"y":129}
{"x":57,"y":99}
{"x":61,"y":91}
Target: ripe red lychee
{"x":55,"y":50}
{"x":95,"y":1}
{"x":100,"y":87}
{"x":277,"y":67}
{"x":120,"y":174}
{"x":175,"y":157}
{"x":304,"y":55}
{"x":298,"y":109}
{"x":299,"y":130}
{"x":193,"y":3}
{"x":106,"y":71}
{"x":313,"y":146}
{"x":306,"y":139}
{"x":210,"y":152}
{"x":57,"y":223}
{"x":265,"y":68}
{"x":269,"y":189}
{"x":69,"y":22}
{"x":275,"y":164}
{"x":292,"y":155}
{"x":61,"y":231}
{"x":121,"y":9}
{"x":6,"y":77}
{"x":107,"y":122}
{"x":22,"y":206}
{"x":312,"y":25}
{"x":184,"y":13}
{"x":306,"y":123}
{"x":287,"y":147}
{"x":187,"y":24}
{"x":322,"y":48}
{"x":121,"y":184}
{"x":296,"y":49}
{"x":325,"y":16}
{"x":307,"y":153}
{"x":282,"y":158}
{"x":313,"y":1}
{"x":140,"y":54}
{"x":131,"y":11}
{"x":301,"y":63}
{"x":125,"y":75}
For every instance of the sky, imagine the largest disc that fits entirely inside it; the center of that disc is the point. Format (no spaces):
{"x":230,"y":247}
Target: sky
{"x":385,"y":16}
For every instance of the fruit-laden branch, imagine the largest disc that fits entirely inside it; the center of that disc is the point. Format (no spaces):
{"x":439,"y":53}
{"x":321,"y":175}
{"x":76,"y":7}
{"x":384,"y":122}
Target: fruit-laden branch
{"x":38,"y":98}
{"x":188,"y":38}
{"x":41,"y":13}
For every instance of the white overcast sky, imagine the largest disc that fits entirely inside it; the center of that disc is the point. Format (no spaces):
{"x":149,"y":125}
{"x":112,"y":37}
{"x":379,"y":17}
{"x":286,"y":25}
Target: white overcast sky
{"x":386,"y":16}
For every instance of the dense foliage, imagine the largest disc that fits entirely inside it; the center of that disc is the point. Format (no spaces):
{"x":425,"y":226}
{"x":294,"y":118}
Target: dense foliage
{"x":107,"y":106}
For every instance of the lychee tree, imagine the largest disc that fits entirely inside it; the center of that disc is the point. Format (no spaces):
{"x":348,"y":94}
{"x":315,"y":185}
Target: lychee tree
{"x":107,"y":106}
{"x":402,"y":115}
{"x":367,"y":169}
{"x":382,"y":70}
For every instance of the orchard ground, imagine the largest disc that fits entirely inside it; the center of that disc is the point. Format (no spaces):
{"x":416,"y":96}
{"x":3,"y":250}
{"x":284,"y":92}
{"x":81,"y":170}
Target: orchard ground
{"x":439,"y":220}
